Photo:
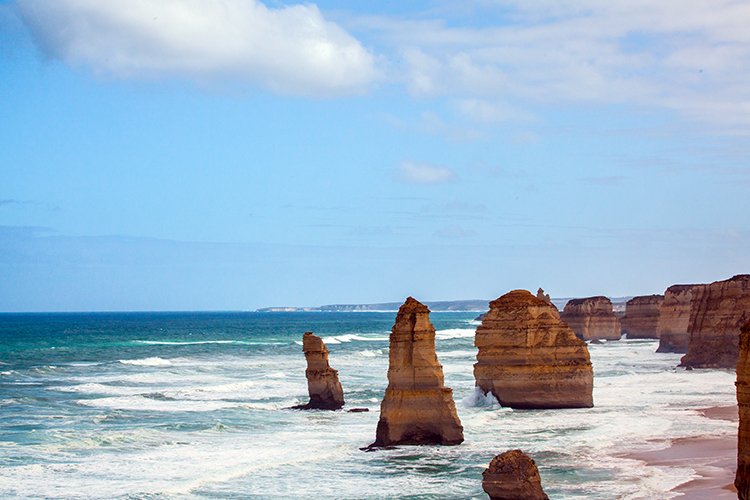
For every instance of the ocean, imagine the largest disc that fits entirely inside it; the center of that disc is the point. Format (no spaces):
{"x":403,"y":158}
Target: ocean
{"x":195,"y":405}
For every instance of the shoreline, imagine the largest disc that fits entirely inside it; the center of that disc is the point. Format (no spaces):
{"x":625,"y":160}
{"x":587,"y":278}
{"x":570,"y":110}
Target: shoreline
{"x":714,"y":459}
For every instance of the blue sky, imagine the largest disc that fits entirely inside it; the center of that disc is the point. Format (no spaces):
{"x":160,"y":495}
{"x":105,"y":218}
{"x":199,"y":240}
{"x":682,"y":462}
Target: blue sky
{"x":232,"y":154}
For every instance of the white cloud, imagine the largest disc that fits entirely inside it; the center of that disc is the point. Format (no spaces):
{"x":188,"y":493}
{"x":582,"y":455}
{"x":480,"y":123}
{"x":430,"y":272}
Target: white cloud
{"x":292,"y":50}
{"x":420,"y":173}
{"x":692,"y":57}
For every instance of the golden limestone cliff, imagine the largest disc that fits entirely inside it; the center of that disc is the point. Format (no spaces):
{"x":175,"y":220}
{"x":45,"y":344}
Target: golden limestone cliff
{"x":742,"y":480}
{"x":592,"y":318}
{"x":717,"y":313}
{"x":513,"y":475}
{"x":417,"y":407}
{"x":529,"y":358}
{"x":674,"y":318}
{"x":641,"y":318}
{"x":322,"y":380}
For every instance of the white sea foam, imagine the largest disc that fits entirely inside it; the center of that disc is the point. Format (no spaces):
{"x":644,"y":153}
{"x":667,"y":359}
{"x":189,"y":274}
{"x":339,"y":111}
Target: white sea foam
{"x":142,"y":403}
{"x":155,"y":361}
{"x":455,"y":333}
{"x":350,"y":337}
{"x":195,"y":342}
{"x":478,"y":399}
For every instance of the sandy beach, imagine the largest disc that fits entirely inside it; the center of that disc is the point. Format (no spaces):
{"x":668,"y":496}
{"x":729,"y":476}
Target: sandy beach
{"x":713,"y":458}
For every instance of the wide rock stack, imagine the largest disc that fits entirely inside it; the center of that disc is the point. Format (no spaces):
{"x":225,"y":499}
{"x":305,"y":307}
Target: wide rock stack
{"x":528,"y":358}
{"x":674,"y":318}
{"x":417,"y":407}
{"x":322,"y":380}
{"x":742,"y":480}
{"x":718,"y":312}
{"x":641,"y":319}
{"x":513,"y":475}
{"x":592,"y":318}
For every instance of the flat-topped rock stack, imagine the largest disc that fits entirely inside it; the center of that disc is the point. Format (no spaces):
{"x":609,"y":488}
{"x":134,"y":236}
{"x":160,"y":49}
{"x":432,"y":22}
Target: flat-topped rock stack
{"x":322,"y":381}
{"x":592,"y":318}
{"x":641,"y":320}
{"x":674,"y":318}
{"x":417,"y":407}
{"x":742,"y":479}
{"x":529,"y":358}
{"x":717,"y":313}
{"x":513,"y":475}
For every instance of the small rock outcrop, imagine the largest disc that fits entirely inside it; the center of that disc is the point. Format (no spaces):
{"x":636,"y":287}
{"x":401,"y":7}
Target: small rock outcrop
{"x":322,"y":380}
{"x":417,"y":408}
{"x":742,"y":479}
{"x":592,"y":318}
{"x":543,"y":296}
{"x":513,"y":475}
{"x":528,"y":358}
{"x":717,"y":313}
{"x":641,"y":320}
{"x":674,"y":318}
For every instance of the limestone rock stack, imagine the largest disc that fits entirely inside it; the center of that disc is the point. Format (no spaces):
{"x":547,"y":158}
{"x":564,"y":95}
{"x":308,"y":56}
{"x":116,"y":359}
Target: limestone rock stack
{"x":592,"y":318}
{"x":417,"y":407}
{"x":674,"y":318}
{"x":717,"y":313}
{"x":641,"y":318}
{"x":513,"y":475}
{"x":528,"y":358}
{"x":742,"y":480}
{"x":322,"y":380}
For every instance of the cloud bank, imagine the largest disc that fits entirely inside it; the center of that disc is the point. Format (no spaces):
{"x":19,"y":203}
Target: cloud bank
{"x":290,"y":50}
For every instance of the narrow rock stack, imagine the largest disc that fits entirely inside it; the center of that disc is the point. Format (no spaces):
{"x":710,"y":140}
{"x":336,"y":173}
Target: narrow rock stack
{"x":641,"y":318}
{"x":322,"y":380}
{"x":417,"y":407}
{"x":528,"y":358}
{"x":513,"y":475}
{"x":592,"y":318}
{"x":674,"y":318}
{"x":742,"y":480}
{"x":718,"y":312}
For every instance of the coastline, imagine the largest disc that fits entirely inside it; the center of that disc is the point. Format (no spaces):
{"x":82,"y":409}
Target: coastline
{"x":714,"y":459}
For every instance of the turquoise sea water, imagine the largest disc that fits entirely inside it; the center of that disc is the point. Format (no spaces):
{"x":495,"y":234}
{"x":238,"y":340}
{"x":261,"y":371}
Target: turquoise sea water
{"x":194,"y":405}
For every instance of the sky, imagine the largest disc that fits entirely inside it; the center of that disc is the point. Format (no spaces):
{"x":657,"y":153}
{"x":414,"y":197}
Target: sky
{"x":238,"y":154}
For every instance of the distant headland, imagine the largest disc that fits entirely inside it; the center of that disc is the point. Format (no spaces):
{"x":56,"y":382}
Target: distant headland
{"x":474,"y":305}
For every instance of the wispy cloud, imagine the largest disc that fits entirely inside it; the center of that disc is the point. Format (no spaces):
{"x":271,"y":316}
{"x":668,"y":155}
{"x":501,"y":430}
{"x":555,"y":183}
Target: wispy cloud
{"x":422,"y":173}
{"x":292,"y":49}
{"x":689,"y":57}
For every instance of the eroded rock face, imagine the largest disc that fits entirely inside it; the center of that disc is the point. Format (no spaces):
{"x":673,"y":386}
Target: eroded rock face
{"x":592,"y":318}
{"x":674,"y":318}
{"x":717,"y":313}
{"x":513,"y":475}
{"x":529,"y":358}
{"x":742,"y":479}
{"x":641,"y":320}
{"x":417,"y":407}
{"x":322,"y":380}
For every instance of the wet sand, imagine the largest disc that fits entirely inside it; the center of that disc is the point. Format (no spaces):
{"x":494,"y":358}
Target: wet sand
{"x":713,"y":458}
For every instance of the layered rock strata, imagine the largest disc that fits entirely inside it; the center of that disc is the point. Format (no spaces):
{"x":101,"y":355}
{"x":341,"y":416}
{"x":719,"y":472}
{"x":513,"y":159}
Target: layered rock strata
{"x":417,"y":407}
{"x":742,"y":479}
{"x":529,"y":358}
{"x":513,"y":475}
{"x":641,"y":320}
{"x":717,"y":313}
{"x":674,"y":318}
{"x":592,"y":318}
{"x":322,"y":380}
